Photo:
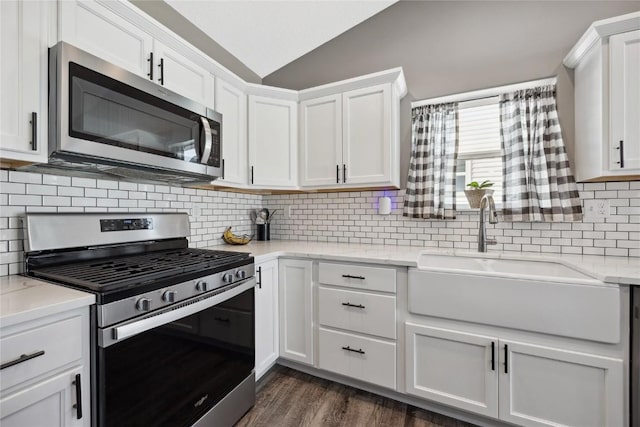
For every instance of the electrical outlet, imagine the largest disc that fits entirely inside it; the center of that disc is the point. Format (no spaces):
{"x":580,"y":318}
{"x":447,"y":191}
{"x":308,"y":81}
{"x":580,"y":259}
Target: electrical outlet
{"x":596,"y":208}
{"x":289,"y":212}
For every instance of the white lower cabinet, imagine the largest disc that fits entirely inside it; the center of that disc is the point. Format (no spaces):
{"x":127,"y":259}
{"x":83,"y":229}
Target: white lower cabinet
{"x":295,"y":290}
{"x":542,"y":386}
{"x":44,"y":380}
{"x":266,"y":332}
{"x":452,"y":367}
{"x":521,"y":383}
{"x":49,"y":403}
{"x":363,"y":358}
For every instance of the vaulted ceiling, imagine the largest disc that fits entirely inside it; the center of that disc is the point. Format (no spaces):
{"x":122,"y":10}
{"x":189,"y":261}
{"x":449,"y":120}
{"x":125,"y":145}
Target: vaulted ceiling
{"x":267,"y":35}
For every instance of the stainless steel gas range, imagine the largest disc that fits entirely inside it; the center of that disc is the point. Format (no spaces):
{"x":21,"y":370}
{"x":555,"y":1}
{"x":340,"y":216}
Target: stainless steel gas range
{"x":173,"y":327}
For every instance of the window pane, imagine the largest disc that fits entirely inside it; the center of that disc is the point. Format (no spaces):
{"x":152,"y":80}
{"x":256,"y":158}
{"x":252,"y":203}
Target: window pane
{"x":479,"y":128}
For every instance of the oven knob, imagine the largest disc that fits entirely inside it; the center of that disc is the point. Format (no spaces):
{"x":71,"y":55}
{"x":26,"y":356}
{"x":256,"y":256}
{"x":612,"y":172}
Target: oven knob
{"x":227,"y":278}
{"x":169,"y":296}
{"x":143,"y":304}
{"x":202,"y":286}
{"x":241,"y":274}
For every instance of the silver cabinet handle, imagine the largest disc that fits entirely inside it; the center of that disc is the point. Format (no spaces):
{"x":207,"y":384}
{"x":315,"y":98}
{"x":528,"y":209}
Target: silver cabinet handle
{"x":206,"y":153}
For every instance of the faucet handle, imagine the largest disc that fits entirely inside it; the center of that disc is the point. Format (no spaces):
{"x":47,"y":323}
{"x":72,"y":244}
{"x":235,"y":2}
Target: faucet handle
{"x":493,"y":217}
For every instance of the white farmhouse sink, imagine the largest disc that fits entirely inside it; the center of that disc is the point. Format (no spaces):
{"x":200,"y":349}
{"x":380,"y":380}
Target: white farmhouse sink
{"x":507,"y":267}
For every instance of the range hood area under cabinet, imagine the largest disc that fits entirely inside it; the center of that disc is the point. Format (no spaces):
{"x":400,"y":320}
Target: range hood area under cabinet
{"x":261,"y":146}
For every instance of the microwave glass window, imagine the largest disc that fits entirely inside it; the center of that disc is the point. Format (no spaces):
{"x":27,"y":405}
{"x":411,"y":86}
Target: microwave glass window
{"x":109,"y":112}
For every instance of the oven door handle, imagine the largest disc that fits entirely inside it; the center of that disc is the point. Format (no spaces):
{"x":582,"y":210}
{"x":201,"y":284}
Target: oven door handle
{"x":117,"y":333}
{"x":208,"y":141}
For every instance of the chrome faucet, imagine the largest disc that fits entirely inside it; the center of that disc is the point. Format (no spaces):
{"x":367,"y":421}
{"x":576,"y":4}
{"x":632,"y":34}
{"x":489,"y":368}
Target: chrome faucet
{"x":487,"y":199}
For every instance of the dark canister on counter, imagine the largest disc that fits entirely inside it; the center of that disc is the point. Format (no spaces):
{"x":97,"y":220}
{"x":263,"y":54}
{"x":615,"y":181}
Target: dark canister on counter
{"x":263,"y":231}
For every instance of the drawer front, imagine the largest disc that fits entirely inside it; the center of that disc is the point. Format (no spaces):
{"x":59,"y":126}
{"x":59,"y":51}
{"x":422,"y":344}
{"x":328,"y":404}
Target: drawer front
{"x":358,"y":277}
{"x":358,"y":311}
{"x":61,"y":343}
{"x":366,"y":359}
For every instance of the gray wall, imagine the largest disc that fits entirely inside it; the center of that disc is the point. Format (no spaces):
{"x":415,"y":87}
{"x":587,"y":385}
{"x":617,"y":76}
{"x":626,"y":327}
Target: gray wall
{"x":447,"y":47}
{"x":166,"y":15}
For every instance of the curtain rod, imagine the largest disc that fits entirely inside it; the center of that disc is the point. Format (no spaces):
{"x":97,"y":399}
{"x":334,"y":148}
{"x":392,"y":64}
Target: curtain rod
{"x":485,"y":93}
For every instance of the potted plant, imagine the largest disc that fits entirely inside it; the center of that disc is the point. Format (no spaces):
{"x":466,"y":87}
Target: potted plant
{"x":476,"y":191}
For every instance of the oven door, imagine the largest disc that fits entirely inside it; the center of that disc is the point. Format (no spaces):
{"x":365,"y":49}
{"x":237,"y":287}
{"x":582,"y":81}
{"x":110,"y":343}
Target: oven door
{"x":169,"y":370}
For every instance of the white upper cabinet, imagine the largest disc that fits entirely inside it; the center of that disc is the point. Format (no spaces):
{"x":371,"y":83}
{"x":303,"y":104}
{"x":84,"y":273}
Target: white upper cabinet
{"x":273,"y":125}
{"x":625,"y":101}
{"x":129,"y":40}
{"x":321,"y":141}
{"x":349,"y":132}
{"x":231,"y":102}
{"x":181,"y":75}
{"x":366,"y":147}
{"x":92,"y":27}
{"x":606,"y":60}
{"x":23,"y":80}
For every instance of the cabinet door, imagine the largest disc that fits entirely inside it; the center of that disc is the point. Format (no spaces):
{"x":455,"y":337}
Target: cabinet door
{"x":272,"y":141}
{"x":231,"y":102}
{"x":542,"y":386}
{"x":91,"y":26}
{"x":367,"y":135}
{"x":266,"y":316}
{"x":625,"y":102}
{"x":455,"y":368}
{"x":49,"y":403}
{"x":181,"y":75}
{"x":296,"y":310}
{"x":23,"y":80}
{"x":321,"y":141}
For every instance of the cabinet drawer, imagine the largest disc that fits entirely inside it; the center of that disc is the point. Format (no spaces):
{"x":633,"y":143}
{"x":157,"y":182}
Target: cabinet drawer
{"x":358,"y":277}
{"x":358,"y":311}
{"x":365,"y":359}
{"x":61,"y":343}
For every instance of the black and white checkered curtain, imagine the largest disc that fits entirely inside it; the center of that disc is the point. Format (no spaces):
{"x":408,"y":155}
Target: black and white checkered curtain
{"x":537,"y":181}
{"x":431,"y":184}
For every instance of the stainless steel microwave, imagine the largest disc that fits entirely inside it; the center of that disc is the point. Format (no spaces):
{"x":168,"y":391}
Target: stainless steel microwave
{"x":123,"y":124}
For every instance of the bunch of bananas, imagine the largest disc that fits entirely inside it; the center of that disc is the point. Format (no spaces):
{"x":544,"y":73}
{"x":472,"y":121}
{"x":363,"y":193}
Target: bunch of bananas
{"x":233,"y":239}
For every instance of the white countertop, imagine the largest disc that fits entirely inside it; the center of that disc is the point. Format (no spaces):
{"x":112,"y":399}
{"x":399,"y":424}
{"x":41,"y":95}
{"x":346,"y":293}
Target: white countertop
{"x":23,"y":299}
{"x":609,"y":269}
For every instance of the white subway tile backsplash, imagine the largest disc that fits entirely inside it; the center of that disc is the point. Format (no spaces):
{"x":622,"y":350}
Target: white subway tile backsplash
{"x":26,"y":177}
{"x":23,"y":200}
{"x":353,"y":215}
{"x":129,"y":186}
{"x":349,"y":217}
{"x":71,"y":191}
{"x":56,"y":180}
{"x":43,"y":190}
{"x":83,"y":182}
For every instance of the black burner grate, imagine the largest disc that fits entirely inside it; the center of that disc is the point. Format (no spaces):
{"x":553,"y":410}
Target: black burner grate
{"x":138,"y":269}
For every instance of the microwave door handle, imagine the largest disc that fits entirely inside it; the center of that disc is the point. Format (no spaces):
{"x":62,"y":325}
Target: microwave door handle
{"x":208,"y":141}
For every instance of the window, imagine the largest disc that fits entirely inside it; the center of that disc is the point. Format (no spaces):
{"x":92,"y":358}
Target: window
{"x":479,"y":153}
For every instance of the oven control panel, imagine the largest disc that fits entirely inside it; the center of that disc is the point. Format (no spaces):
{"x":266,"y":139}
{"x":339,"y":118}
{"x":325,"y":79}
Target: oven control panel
{"x":126,"y":224}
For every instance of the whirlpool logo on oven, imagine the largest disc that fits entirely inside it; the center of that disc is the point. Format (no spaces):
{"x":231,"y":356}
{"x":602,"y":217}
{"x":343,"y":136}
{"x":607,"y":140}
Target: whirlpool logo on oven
{"x":200,"y":401}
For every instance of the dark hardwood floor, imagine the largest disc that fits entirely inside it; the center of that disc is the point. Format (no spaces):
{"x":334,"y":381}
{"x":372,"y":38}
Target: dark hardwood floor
{"x":288,"y":398}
